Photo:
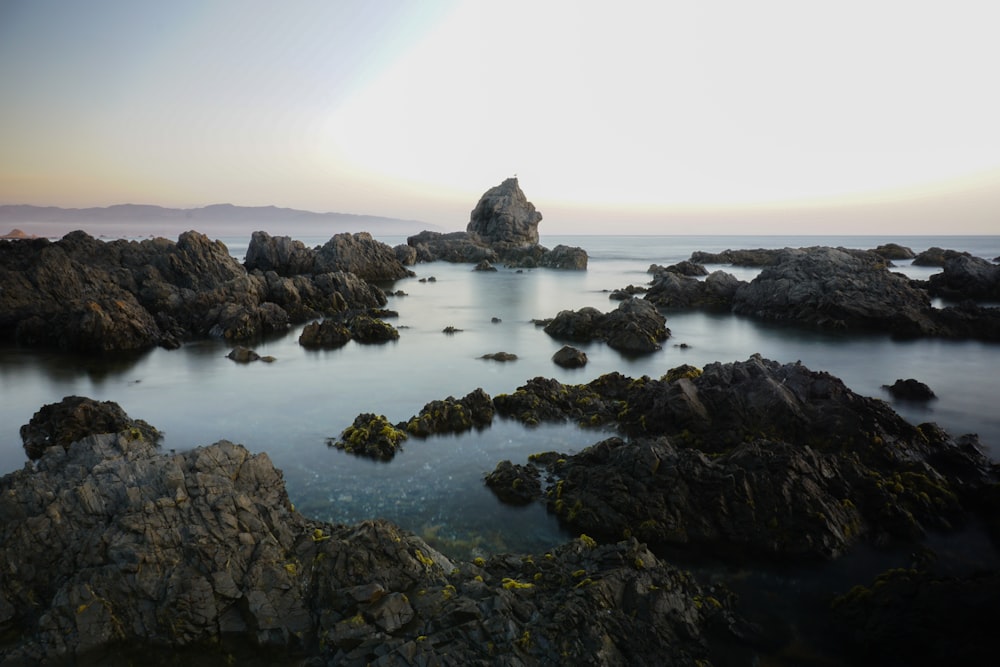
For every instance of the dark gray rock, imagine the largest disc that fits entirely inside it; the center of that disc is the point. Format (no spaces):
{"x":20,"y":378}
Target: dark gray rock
{"x":361,"y":255}
{"x":894,"y":251}
{"x":752,"y":258}
{"x":326,"y":334}
{"x":83,"y":294}
{"x":474,"y":410}
{"x":458,"y":247}
{"x":500,"y":356}
{"x":635,"y":326}
{"x":967,"y":277}
{"x":935,"y":256}
{"x":484,"y":266}
{"x":670,"y":289}
{"x":74,"y":417}
{"x":281,"y":254}
{"x":515,"y":484}
{"x":569,"y":357}
{"x":372,"y":436}
{"x":504,"y":216}
{"x":565,"y":257}
{"x":832,"y":288}
{"x":910,"y":390}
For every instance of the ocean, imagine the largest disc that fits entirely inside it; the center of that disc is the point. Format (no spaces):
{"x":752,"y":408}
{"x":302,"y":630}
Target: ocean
{"x":434,"y":487}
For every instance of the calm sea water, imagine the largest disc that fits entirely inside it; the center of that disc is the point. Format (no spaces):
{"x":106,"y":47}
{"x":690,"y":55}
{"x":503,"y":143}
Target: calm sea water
{"x":288,"y":408}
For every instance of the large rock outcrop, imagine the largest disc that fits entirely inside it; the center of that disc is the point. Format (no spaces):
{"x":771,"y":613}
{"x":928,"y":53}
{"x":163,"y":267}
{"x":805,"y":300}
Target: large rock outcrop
{"x":636,"y":326}
{"x":504,"y":217}
{"x":756,"y":458}
{"x":110,"y":548}
{"x":503,"y":227}
{"x":80,"y":293}
{"x":358,"y":253}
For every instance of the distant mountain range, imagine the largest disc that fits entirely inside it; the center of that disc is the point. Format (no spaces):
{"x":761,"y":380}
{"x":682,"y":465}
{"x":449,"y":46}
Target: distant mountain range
{"x":216,"y":219}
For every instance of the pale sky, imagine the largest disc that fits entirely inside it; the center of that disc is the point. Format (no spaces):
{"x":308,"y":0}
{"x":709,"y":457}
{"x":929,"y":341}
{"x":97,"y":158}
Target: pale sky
{"x":669,"y":117}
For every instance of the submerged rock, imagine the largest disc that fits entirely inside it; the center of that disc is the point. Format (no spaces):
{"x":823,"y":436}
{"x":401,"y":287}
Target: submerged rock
{"x":474,"y":410}
{"x":514,"y":484}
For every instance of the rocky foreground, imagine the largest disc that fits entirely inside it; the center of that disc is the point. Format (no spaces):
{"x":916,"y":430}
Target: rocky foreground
{"x":109,"y":547}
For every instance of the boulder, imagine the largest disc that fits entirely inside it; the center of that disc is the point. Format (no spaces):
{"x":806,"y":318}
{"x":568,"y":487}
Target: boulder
{"x":458,"y":247}
{"x":935,"y":256}
{"x":894,"y":251}
{"x":372,"y":436}
{"x":74,"y":417}
{"x":565,"y":257}
{"x":634,"y":327}
{"x":474,"y":410}
{"x":367,"y":329}
{"x":484,"y":266}
{"x":361,"y":255}
{"x":967,"y":277}
{"x":670,"y":289}
{"x":500,"y":356}
{"x":569,"y":357}
{"x":751,"y":258}
{"x":909,"y":390}
{"x":242,"y":355}
{"x":514,"y":484}
{"x":281,"y":254}
{"x":504,"y":216}
{"x":326,"y":334}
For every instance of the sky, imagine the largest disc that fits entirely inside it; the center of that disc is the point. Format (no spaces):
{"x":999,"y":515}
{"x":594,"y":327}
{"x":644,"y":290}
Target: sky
{"x":660,"y":117}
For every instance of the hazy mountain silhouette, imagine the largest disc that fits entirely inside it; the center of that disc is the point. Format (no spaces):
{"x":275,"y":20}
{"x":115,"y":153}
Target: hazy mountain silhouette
{"x":216,"y":219}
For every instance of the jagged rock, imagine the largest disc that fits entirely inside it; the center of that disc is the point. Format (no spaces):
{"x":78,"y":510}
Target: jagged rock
{"x":935,"y":256}
{"x":367,"y":329}
{"x":635,"y":326}
{"x":832,"y":288}
{"x":502,"y":227}
{"x":79,"y":293}
{"x":683,"y":268}
{"x":627,"y":292}
{"x":894,"y":251}
{"x":74,"y":417}
{"x":326,"y":334}
{"x":753,"y":458}
{"x":910,"y":390}
{"x":569,"y":357}
{"x":474,"y":410}
{"x":515,"y":484}
{"x":967,"y":277}
{"x":484,"y":266}
{"x":752,"y":258}
{"x":504,"y":215}
{"x":115,"y":549}
{"x":670,"y":289}
{"x":281,"y":254}
{"x":564,"y":257}
{"x":452,"y":247}
{"x":407,"y":255}
{"x":361,"y":255}
{"x":372,"y":436}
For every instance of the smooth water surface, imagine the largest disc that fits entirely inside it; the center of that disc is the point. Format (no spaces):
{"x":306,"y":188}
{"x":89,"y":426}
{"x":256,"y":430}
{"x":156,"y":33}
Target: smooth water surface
{"x":289,"y":408}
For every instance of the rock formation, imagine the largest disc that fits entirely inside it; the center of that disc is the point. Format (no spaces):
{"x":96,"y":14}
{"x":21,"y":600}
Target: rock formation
{"x":504,"y":217}
{"x":80,"y":293}
{"x":503,"y":227}
{"x":358,"y":253}
{"x":635,"y":326}
{"x":110,"y":548}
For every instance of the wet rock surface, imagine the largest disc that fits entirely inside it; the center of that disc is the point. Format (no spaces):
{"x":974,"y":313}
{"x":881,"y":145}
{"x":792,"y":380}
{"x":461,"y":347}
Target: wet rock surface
{"x":109,"y":546}
{"x":910,"y":390}
{"x":83,"y":294}
{"x":570,"y":357}
{"x":843,"y":289}
{"x":636,"y":326}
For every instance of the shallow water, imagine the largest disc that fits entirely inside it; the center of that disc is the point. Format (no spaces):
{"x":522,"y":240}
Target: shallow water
{"x":289,"y":408}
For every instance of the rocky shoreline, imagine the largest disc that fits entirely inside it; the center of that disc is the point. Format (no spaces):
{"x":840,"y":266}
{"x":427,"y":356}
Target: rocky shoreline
{"x":109,"y":545}
{"x":113,"y":551}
